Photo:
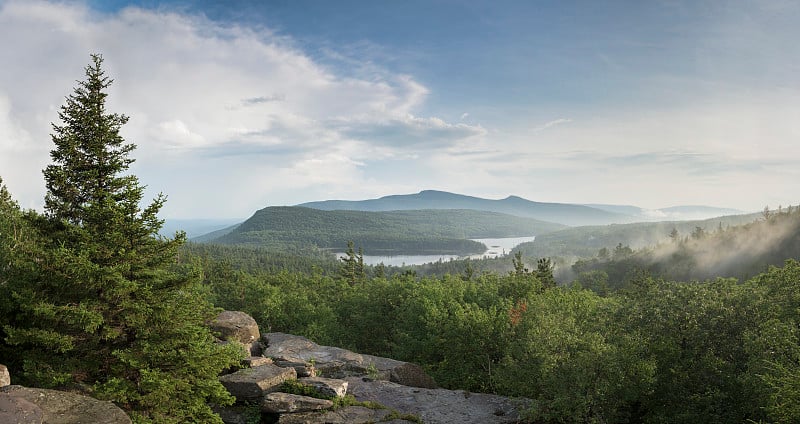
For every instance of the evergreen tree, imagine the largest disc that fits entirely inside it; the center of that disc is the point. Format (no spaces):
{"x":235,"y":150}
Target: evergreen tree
{"x":675,"y":236}
{"x":544,"y":271}
{"x":352,"y":268}
{"x":518,"y":264}
{"x":102,"y":303}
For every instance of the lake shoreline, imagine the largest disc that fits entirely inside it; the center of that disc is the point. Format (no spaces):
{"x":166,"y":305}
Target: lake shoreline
{"x":496,"y":247}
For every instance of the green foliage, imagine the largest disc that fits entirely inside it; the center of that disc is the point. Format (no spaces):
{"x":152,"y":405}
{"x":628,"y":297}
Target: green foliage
{"x":295,"y":387}
{"x":395,"y":415}
{"x":719,"y":351}
{"x":695,"y":335}
{"x":92,"y":297}
{"x":566,"y":355}
{"x":775,"y":345}
{"x":257,"y":259}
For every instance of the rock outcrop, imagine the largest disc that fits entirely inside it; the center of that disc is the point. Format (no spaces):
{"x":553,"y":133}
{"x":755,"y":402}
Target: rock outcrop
{"x":339,"y":363}
{"x":376,"y":389}
{"x":380,"y":389}
{"x":42,"y":406}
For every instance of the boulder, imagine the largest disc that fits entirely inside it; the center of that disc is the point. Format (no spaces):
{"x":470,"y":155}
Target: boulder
{"x":437,"y":406}
{"x":251,"y":384}
{"x":331,"y":387}
{"x":64,"y":408}
{"x":236,"y":326}
{"x":285,"y":403}
{"x":304,"y":369}
{"x":5,"y":377}
{"x":339,"y":363}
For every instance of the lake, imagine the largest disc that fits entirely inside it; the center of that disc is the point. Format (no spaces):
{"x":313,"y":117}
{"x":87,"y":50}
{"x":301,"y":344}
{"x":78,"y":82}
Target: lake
{"x":496,"y":247}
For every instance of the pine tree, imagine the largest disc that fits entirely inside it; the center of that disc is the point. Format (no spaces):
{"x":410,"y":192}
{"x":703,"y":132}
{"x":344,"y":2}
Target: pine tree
{"x":352,"y":268}
{"x":103,"y":304}
{"x":519,"y":265}
{"x":544,"y":271}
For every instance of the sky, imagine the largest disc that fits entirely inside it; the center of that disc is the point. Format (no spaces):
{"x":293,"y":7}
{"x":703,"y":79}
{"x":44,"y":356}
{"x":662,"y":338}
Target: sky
{"x":239,"y":105}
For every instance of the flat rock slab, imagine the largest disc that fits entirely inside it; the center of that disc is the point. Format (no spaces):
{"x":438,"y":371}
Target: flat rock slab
{"x":17,"y":410}
{"x":348,"y":415}
{"x":339,"y":363}
{"x":236,"y":326}
{"x":68,"y":408}
{"x":257,"y":361}
{"x":437,"y":406}
{"x":285,"y":403}
{"x":299,"y":349}
{"x":251,"y":384}
{"x":332,"y":387}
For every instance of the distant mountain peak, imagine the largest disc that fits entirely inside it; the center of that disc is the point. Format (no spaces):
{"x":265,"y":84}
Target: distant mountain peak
{"x":512,"y":205}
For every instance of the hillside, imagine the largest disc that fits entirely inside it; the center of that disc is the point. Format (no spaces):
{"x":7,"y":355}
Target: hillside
{"x":737,"y":251}
{"x":563,"y":213}
{"x":582,"y":242}
{"x":398,"y":232}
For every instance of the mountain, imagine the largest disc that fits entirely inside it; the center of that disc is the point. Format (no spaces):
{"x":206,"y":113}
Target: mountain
{"x":396,"y":232}
{"x":562,"y":213}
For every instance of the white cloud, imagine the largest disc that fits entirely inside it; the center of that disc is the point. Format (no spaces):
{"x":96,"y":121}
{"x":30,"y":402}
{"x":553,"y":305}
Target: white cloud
{"x":409,"y":131}
{"x":248,"y":118}
{"x":552,"y":123}
{"x":197,"y":90}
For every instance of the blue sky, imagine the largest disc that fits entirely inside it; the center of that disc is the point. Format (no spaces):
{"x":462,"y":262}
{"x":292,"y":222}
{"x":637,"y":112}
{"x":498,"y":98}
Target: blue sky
{"x":239,"y":105}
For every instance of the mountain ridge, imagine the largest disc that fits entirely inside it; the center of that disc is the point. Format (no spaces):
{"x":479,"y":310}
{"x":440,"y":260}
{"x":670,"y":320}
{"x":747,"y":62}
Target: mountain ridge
{"x":562,"y":213}
{"x":571,"y":214}
{"x":403,"y":231}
